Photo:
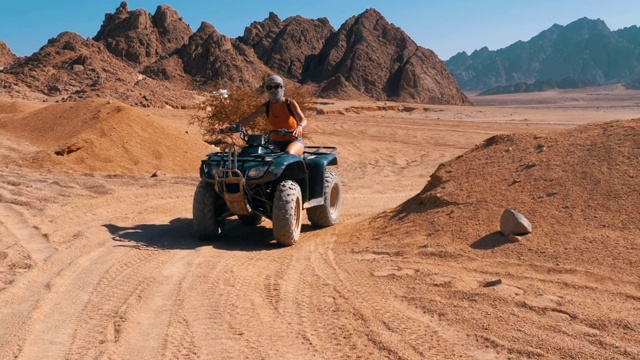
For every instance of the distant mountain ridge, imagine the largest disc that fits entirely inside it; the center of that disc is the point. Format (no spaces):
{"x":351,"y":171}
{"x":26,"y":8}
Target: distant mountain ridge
{"x":156,"y":60}
{"x":585,"y":49}
{"x":537,"y":86}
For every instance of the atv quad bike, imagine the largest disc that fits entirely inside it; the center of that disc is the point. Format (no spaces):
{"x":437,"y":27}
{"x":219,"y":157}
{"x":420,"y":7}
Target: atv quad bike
{"x":260,"y":182}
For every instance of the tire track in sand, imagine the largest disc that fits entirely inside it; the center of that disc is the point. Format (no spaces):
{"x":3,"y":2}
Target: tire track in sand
{"x":25,"y":234}
{"x":389,"y":327}
{"x":100,"y":326}
{"x":240,"y":314}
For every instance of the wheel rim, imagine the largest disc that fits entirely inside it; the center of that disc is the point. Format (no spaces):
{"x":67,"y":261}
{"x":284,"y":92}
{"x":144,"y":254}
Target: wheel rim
{"x":334,"y":198}
{"x":298,"y":214}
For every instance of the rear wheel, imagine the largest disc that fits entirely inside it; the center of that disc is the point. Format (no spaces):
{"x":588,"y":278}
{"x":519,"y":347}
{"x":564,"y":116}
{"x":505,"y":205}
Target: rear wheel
{"x":287,"y":213}
{"x":328,"y":213}
{"x":204,"y":212}
{"x":251,"y":219}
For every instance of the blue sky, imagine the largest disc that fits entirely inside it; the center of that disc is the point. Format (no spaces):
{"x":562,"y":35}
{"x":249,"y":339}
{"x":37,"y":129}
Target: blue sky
{"x":444,"y":26}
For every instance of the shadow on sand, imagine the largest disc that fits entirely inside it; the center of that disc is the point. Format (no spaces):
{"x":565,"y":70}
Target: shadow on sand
{"x":490,"y":241}
{"x":179,"y":234}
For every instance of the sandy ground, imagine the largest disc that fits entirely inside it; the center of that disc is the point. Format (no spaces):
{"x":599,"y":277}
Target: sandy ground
{"x":105,"y":264}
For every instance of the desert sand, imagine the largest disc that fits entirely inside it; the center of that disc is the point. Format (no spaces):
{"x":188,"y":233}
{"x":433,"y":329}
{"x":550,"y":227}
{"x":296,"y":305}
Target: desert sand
{"x":98,"y":258}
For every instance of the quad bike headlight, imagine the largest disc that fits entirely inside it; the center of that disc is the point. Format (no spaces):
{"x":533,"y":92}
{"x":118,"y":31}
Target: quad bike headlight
{"x":257,"y":172}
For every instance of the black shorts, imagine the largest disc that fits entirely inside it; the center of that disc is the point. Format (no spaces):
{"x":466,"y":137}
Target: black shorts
{"x":282,"y":145}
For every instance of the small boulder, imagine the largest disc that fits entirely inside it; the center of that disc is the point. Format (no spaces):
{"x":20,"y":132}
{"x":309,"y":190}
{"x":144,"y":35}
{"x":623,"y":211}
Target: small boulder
{"x":514,"y":238}
{"x":512,"y":222}
{"x":492,"y":283}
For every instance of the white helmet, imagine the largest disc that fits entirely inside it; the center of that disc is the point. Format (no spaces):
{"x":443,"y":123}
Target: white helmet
{"x":275,"y":79}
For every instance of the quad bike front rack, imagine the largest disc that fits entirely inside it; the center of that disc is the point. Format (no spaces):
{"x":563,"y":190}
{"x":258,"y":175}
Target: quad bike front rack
{"x":231,"y":184}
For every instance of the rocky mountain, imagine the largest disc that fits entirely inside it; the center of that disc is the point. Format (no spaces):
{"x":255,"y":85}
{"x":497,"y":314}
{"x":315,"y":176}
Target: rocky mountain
{"x":379,"y":60}
{"x":157,"y":60}
{"x":585,"y":49}
{"x":630,"y":34}
{"x":70,"y":68}
{"x":6,"y":56}
{"x":287,"y":47}
{"x":210,"y":55}
{"x":140,"y":37}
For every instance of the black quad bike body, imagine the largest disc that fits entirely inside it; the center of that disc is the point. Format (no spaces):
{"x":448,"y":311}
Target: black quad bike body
{"x":260,"y":182}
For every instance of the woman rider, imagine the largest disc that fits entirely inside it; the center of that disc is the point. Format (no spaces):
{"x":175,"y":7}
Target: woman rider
{"x":283,"y":113}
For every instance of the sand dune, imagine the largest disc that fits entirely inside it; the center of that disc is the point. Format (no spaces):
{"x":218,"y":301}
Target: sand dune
{"x":103,"y":136}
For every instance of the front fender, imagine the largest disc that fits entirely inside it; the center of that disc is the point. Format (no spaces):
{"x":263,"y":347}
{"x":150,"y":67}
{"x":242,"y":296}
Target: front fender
{"x":284,"y":167}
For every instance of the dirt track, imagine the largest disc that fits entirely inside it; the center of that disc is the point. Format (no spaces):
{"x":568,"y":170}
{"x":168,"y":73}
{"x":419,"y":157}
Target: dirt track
{"x":107,"y":266}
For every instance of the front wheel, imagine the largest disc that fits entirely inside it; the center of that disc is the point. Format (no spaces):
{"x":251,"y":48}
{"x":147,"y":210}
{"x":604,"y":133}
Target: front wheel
{"x":287,"y":213}
{"x":204,"y":212}
{"x":328,"y":213}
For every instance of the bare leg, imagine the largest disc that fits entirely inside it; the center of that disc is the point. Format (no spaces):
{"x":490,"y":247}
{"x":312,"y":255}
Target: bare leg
{"x":295,"y":148}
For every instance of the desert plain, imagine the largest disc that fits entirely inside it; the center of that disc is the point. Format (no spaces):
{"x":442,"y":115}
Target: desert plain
{"x":98,"y":258}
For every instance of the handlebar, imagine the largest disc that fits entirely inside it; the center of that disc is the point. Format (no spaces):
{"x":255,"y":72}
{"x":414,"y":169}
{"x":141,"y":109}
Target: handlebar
{"x":235,"y":128}
{"x":244,"y":135}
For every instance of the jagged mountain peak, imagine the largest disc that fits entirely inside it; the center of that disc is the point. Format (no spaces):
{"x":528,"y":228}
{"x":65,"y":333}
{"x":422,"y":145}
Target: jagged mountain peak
{"x":287,"y":46}
{"x":140,"y":37}
{"x":371,"y":13}
{"x":165,"y":16}
{"x":381,"y":61}
{"x":482,"y":51}
{"x":589,"y":23}
{"x":6,"y":56}
{"x":585,"y":26}
{"x":206,"y":28}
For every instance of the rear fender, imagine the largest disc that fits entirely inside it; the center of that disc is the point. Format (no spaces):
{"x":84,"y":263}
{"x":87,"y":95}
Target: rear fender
{"x":317,"y":165}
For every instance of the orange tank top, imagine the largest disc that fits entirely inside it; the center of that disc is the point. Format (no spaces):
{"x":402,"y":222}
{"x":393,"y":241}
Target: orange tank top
{"x":280,"y":118}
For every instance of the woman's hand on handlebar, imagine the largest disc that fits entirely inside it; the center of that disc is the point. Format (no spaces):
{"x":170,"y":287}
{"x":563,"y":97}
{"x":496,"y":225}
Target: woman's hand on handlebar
{"x":298,"y":131}
{"x":233,"y":128}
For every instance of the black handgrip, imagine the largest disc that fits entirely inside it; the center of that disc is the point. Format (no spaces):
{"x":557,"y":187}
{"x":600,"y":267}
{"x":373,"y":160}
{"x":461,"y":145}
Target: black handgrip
{"x":235,"y":128}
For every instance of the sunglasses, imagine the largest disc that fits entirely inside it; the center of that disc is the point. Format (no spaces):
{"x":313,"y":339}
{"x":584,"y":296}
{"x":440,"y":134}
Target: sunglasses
{"x":271,"y":87}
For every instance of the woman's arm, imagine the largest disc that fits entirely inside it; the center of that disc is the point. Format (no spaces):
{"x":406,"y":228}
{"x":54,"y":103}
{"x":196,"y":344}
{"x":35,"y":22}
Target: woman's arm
{"x":302,"y":120}
{"x":249,"y":118}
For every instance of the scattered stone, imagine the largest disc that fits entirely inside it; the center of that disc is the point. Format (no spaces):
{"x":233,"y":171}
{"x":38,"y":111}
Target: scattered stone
{"x":68,"y":150}
{"x":512,"y":222}
{"x":491,"y":283}
{"x":158,"y":174}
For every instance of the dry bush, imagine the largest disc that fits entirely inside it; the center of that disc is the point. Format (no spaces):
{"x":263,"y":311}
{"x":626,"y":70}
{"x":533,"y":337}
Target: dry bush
{"x":219,"y":111}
